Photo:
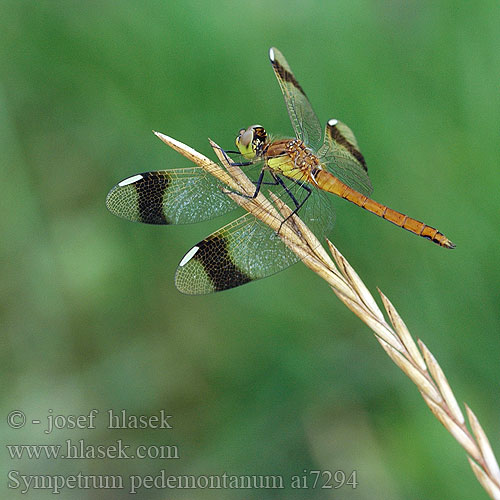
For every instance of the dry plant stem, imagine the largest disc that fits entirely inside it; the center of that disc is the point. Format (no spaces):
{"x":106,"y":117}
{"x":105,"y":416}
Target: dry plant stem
{"x":416,"y":361}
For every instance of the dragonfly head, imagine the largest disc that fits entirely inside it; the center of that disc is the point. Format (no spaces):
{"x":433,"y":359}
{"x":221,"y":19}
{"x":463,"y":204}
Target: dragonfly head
{"x":251,"y":141}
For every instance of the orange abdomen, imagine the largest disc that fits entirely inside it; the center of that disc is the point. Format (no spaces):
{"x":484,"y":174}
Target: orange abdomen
{"x":330,"y":183}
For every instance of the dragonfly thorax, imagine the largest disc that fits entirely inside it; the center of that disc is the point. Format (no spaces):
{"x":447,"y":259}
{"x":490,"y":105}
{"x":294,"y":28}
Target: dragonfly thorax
{"x":293,"y":159}
{"x":252,"y":141}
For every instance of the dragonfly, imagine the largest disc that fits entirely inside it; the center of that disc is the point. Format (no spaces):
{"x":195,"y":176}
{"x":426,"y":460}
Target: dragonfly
{"x":304,"y":170}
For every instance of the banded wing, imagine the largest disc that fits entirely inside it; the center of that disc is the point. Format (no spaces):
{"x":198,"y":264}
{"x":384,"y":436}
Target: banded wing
{"x":177,"y":196}
{"x":246,"y":249}
{"x":305,"y":123}
{"x":242,"y":251}
{"x":341,"y":155}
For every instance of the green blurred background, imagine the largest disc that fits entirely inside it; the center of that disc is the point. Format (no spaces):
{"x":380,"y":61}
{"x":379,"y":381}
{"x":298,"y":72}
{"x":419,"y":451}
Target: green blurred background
{"x":277,"y":376}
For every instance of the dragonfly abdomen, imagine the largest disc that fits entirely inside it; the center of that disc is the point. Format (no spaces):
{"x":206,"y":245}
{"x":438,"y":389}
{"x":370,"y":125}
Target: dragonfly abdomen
{"x":332,"y":184}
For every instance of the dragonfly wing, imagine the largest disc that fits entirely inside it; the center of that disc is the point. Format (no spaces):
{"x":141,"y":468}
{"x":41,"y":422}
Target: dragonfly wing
{"x":305,"y":123}
{"x":341,"y":155}
{"x":246,"y":249}
{"x":242,"y":251}
{"x":177,"y":196}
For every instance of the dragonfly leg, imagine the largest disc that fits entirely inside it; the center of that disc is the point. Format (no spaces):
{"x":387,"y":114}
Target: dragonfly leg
{"x":298,"y":205}
{"x":279,"y":181}
{"x":258,"y":183}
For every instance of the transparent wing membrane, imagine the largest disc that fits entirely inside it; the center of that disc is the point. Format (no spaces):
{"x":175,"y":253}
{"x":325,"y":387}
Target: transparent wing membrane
{"x":178,"y":196}
{"x":242,"y":251}
{"x":247,"y":249}
{"x":343,"y":166}
{"x":341,"y":156}
{"x":339,"y":151}
{"x":305,"y":123}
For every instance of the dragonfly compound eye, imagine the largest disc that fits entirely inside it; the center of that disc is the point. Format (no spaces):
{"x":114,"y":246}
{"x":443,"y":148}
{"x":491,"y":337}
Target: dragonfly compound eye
{"x":246,"y":136}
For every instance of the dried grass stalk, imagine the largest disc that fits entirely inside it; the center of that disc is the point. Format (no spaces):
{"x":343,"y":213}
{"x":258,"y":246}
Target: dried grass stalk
{"x":417,"y":362}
